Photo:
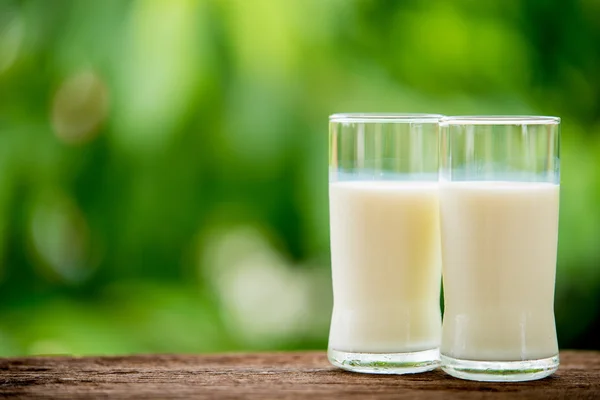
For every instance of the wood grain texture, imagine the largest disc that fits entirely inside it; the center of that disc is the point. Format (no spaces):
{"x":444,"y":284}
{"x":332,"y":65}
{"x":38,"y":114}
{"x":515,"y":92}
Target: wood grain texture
{"x":266,"y":376}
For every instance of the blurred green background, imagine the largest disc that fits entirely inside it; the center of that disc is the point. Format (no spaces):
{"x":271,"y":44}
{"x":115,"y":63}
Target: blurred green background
{"x":163,"y":180}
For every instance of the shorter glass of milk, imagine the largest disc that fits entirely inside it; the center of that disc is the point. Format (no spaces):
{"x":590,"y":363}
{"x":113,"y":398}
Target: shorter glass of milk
{"x":385,"y":242}
{"x":499,"y":200}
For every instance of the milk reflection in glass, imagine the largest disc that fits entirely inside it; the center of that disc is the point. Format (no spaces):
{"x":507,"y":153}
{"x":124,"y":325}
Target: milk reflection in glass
{"x":499,"y":207}
{"x":385,"y":243}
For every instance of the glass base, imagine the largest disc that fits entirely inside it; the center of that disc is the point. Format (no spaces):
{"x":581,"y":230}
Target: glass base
{"x":386,"y":363}
{"x":500,"y":371}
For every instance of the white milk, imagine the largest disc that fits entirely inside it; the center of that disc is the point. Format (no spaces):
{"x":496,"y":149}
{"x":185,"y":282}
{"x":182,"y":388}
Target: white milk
{"x":499,"y":244}
{"x":386,"y":265}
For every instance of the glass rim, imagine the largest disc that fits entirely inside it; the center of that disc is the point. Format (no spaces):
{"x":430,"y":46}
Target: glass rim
{"x":384,"y":118}
{"x":500,"y":120}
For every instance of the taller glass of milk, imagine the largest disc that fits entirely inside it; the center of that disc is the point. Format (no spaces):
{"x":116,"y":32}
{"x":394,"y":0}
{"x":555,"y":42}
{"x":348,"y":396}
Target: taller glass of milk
{"x":385,"y":242}
{"x":499,"y":198}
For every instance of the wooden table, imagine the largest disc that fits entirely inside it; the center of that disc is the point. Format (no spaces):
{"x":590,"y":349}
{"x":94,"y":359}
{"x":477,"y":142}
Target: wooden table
{"x":270,"y":375}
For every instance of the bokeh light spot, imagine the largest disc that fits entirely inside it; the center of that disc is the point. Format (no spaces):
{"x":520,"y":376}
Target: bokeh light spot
{"x":12,"y":29}
{"x":263,"y":296}
{"x":79,"y":107}
{"x":60,"y":239}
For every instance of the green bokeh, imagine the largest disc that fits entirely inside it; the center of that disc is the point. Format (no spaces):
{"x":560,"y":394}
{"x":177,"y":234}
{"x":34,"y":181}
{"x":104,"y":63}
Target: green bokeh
{"x":163,"y":163}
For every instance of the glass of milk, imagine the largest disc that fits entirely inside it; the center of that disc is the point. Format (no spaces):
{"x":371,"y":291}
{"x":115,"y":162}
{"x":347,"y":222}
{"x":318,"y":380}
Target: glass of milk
{"x":385,"y":242}
{"x":499,"y":198}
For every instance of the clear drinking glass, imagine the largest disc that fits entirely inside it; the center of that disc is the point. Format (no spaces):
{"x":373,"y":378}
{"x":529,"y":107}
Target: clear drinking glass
{"x":499,"y":200}
{"x":385,"y":242}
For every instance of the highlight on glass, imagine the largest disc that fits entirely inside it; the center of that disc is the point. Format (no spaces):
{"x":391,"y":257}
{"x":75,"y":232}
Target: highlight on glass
{"x":385,"y":242}
{"x":499,"y":199}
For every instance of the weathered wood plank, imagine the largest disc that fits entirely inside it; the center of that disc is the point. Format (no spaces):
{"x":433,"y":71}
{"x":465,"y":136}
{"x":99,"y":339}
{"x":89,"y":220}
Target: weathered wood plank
{"x":269,"y":375}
